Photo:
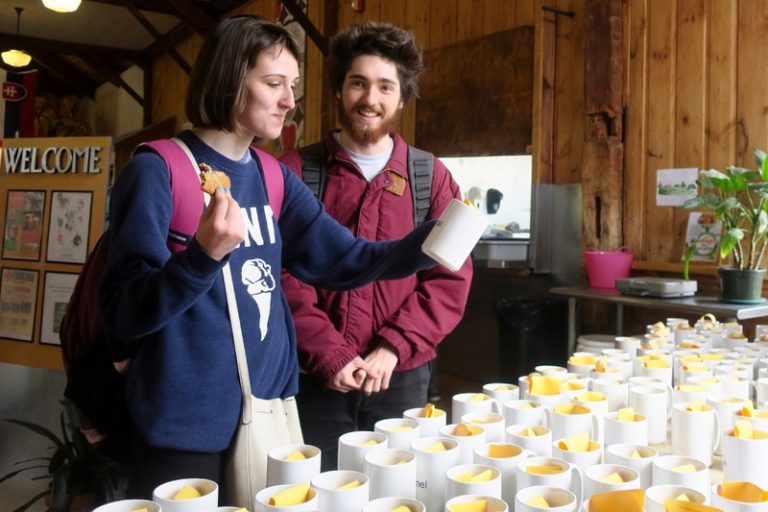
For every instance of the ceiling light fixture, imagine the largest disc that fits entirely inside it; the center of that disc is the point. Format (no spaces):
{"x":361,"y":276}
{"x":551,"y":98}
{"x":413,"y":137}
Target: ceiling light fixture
{"x":62,"y":5}
{"x":17,"y":58}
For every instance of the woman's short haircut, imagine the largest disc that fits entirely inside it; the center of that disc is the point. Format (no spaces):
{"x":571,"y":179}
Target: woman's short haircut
{"x":216,"y":92}
{"x":381,"y":39}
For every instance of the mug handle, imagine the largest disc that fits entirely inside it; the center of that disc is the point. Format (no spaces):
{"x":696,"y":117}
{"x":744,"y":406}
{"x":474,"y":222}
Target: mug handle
{"x":577,"y":484}
{"x":496,"y":407}
{"x":596,"y":430}
{"x":669,"y":401}
{"x":547,"y":417}
{"x":718,"y":433}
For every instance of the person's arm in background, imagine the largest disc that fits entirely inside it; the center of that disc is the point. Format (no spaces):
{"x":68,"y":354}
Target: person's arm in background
{"x":432,"y":311}
{"x":323,"y":351}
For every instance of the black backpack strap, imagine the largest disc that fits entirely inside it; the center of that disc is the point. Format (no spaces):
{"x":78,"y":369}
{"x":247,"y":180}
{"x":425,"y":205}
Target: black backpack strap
{"x":313,"y":167}
{"x":420,"y":167}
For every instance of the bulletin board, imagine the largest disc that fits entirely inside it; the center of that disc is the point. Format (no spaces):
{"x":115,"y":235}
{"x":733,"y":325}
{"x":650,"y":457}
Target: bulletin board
{"x":53,"y":193}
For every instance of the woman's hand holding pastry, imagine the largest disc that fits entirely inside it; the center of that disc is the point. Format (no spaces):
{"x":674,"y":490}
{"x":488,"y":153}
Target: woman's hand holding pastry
{"x":221,"y":228}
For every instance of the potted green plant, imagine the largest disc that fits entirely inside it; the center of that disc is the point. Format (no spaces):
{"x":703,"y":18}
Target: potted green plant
{"x":80,"y":475}
{"x":738,"y":198}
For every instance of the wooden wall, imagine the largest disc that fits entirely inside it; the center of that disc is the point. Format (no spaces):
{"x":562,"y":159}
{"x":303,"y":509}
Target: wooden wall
{"x":696,"y":96}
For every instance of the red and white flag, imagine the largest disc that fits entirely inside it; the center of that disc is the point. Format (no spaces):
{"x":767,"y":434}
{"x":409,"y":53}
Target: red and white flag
{"x":17,"y":107}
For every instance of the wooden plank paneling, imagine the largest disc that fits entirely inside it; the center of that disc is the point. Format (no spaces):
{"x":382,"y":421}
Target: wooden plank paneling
{"x":635,"y":128}
{"x":661,"y":122}
{"x":497,"y":68}
{"x":752,"y":79}
{"x":526,"y":12}
{"x":498,"y":15}
{"x":313,"y":95}
{"x":690,"y":106}
{"x":442,"y":20}
{"x":720,"y":143}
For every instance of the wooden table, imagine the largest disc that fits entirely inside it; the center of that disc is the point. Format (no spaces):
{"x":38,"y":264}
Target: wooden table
{"x":698,"y":304}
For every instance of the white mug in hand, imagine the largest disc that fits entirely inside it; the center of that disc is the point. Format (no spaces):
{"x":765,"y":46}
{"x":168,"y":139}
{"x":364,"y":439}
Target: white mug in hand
{"x":454,"y":236}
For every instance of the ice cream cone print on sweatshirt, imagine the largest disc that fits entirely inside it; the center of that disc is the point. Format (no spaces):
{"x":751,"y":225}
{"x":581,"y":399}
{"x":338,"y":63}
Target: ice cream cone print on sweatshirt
{"x":256,"y":274}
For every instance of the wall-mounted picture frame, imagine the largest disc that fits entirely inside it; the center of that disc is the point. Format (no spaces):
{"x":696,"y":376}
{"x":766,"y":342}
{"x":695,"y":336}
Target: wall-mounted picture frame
{"x":18,"y":303}
{"x":69,"y":226}
{"x":23,"y":230}
{"x":57,"y":289}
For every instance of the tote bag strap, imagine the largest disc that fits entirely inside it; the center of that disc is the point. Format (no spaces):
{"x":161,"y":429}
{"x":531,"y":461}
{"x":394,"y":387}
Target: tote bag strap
{"x":234,"y":314}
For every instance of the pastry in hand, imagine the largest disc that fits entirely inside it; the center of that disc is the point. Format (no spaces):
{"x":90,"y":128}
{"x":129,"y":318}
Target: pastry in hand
{"x":211,"y":180}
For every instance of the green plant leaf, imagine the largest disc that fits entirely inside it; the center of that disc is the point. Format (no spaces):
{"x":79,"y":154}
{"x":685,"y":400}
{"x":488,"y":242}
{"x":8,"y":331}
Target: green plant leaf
{"x":729,"y":240}
{"x":762,"y":223}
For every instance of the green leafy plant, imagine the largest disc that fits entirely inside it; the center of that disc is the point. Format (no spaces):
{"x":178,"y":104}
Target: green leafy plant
{"x":74,"y":468}
{"x":739,"y":199}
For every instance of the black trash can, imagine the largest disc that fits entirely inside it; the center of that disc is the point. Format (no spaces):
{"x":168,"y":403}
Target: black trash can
{"x":531,"y":332}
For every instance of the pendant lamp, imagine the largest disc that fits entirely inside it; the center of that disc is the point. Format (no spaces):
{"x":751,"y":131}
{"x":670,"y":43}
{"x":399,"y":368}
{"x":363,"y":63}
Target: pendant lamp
{"x":16,"y":58}
{"x":62,"y":5}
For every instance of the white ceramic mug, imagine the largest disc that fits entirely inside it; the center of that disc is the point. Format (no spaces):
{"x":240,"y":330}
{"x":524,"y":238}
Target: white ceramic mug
{"x":502,"y":392}
{"x":623,"y":432}
{"x":616,"y":392}
{"x":595,"y":479}
{"x":456,"y":484}
{"x":391,"y":472}
{"x":593,"y":455}
{"x":466,"y":443}
{"x":536,"y":438}
{"x":638,"y":457}
{"x":745,"y":459}
{"x":731,"y":505}
{"x":391,"y":503}
{"x":284,"y":470}
{"x":331,"y":497}
{"x":761,"y":390}
{"x":653,"y":403}
{"x":504,"y":457}
{"x":735,"y":385}
{"x":489,"y":503}
{"x":570,"y":419}
{"x":208,"y":489}
{"x":264,"y":496}
{"x":567,"y":475}
{"x":656,"y":495}
{"x":464,"y":403}
{"x":400,"y":432}
{"x":129,"y":506}
{"x":431,"y":467}
{"x":629,"y":344}
{"x":695,"y":433}
{"x":558,"y":500}
{"x":527,"y":412}
{"x":428,"y":426}
{"x":689,"y":393}
{"x":666,"y":471}
{"x":454,"y":236}
{"x":492,"y":423}
{"x":725,"y":406}
{"x":354,"y":446}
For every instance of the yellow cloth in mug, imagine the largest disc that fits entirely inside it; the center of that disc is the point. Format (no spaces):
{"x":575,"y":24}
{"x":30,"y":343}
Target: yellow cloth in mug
{"x":582,"y":360}
{"x":187,"y":492}
{"x":743,"y":491}
{"x":290,"y":496}
{"x":631,"y":500}
{"x":685,"y":468}
{"x":350,"y":485}
{"x":656,"y":363}
{"x":626,"y":414}
{"x":538,"y":501}
{"x":503,"y":451}
{"x":401,"y":508}
{"x":590,"y":396}
{"x":571,"y":409}
{"x":295,"y":455}
{"x":478,"y":397}
{"x":575,"y":443}
{"x":462,"y":429}
{"x":674,"y":505}
{"x":144,"y":509}
{"x":437,"y":447}
{"x":613,"y":478}
{"x":470,"y":506}
{"x":539,"y":385}
{"x":697,"y":407}
{"x":544,"y":470}
{"x":743,"y":429}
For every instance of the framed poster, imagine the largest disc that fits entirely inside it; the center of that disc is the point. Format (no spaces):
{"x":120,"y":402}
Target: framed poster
{"x":57,"y":289}
{"x":69,"y":226}
{"x":23,"y":230}
{"x":18,"y":303}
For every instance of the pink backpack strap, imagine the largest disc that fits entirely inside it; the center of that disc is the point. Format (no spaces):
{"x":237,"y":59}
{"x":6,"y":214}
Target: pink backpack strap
{"x":273,"y":177}
{"x":185,"y":190}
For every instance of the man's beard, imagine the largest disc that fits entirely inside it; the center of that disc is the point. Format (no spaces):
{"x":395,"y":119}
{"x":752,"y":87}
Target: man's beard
{"x":361,"y":133}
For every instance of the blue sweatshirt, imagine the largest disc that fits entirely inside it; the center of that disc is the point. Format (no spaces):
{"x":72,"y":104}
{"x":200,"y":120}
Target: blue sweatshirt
{"x":182,"y":384}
